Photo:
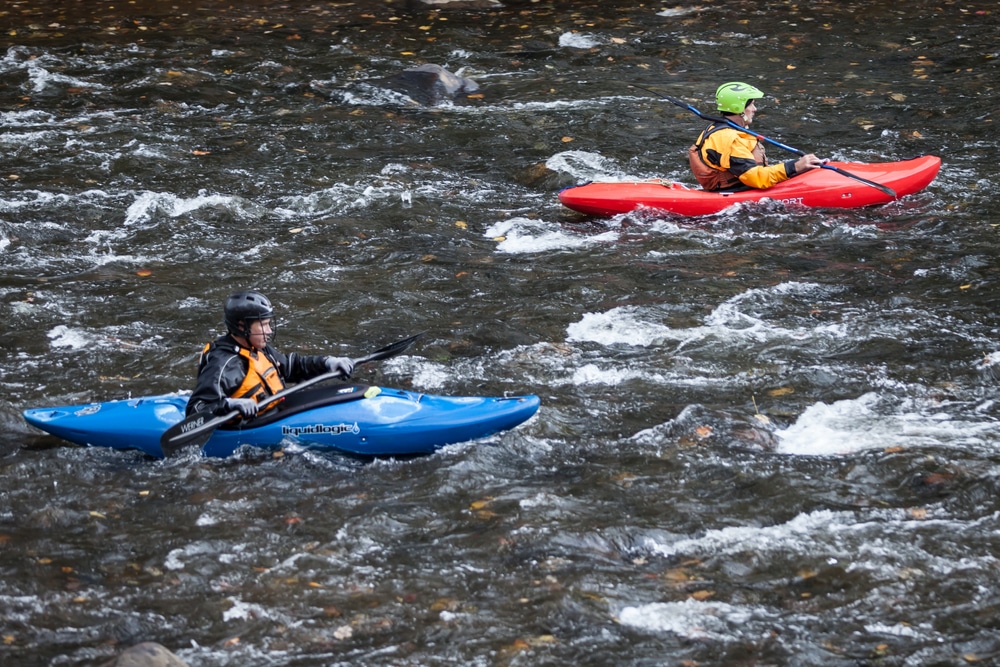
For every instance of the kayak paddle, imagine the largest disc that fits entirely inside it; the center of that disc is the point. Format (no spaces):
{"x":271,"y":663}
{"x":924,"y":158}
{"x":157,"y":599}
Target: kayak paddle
{"x":760,"y":137}
{"x":201,"y":425}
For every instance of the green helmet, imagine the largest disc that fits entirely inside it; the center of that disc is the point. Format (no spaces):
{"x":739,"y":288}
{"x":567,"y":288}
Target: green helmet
{"x":732,"y":97}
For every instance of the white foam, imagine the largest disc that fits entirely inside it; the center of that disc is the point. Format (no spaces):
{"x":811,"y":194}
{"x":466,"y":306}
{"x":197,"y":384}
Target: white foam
{"x":42,"y":78}
{"x":680,"y":11}
{"x":578,"y":40}
{"x":619,"y":326}
{"x":877,"y":421}
{"x":63,"y":336}
{"x":690,"y":618}
{"x":524,"y":236}
{"x":148,"y":204}
{"x":735,"y":320}
{"x":585,"y":166}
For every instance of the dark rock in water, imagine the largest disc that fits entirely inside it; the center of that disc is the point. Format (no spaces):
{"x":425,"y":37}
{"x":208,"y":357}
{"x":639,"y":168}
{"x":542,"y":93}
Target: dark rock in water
{"x":540,"y":177}
{"x":455,"y":4}
{"x":147,"y":654}
{"x":430,"y":84}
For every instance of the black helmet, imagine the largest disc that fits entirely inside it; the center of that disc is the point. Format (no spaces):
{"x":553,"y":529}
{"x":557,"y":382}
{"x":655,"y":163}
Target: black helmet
{"x":245,"y":307}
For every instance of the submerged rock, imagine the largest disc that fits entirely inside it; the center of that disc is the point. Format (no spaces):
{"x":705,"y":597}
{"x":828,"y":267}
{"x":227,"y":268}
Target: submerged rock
{"x":430,"y":84}
{"x":147,"y":654}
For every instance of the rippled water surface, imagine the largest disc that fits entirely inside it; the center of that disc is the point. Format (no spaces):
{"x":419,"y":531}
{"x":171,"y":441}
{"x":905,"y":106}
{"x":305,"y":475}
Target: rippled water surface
{"x":766,"y":437}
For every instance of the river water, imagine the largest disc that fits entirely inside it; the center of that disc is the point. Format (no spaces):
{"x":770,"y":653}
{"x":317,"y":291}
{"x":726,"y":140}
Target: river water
{"x":766,"y":437}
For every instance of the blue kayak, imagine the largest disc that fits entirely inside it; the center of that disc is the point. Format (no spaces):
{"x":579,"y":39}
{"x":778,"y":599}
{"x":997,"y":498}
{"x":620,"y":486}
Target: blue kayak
{"x":357,"y":419}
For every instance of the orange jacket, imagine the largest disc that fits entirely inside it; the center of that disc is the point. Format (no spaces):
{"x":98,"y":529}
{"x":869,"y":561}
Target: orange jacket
{"x":724,"y":158}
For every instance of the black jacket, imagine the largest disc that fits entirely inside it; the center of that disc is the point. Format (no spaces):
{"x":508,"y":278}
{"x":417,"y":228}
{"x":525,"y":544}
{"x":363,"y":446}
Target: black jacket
{"x":221,"y":371}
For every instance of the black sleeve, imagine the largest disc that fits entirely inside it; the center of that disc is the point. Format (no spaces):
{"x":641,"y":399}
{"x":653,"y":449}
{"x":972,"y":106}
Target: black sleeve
{"x":300,"y":367}
{"x":219,"y":375}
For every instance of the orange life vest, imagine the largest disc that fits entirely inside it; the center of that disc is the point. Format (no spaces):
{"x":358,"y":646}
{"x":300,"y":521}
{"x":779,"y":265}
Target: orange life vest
{"x":262,"y":378}
{"x":716,"y":177}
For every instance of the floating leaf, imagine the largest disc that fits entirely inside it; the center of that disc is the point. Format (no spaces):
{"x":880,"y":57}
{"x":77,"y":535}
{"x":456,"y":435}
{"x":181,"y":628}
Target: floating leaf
{"x":897,"y":97}
{"x":703,"y":432}
{"x":200,"y":152}
{"x":566,"y":140}
{"x":461,"y":224}
{"x":296,"y":230}
{"x":517,"y":646}
{"x":480,"y":504}
{"x":701,"y":596}
{"x":918,"y":512}
{"x":781,"y":391}
{"x":144,"y":273}
{"x":445,"y":604}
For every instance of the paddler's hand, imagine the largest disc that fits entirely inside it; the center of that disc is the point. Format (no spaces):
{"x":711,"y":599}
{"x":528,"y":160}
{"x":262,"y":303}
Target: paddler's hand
{"x":807,"y":162}
{"x":247,"y":407}
{"x":341,"y":365}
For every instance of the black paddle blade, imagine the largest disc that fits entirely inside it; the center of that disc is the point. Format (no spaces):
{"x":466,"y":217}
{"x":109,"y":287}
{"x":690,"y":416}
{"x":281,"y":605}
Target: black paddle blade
{"x":878,"y":186}
{"x":196,"y":429}
{"x":390,"y":350}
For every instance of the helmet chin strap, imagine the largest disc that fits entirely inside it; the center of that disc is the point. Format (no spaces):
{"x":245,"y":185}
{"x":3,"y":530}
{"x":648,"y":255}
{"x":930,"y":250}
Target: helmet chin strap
{"x":245,"y":336}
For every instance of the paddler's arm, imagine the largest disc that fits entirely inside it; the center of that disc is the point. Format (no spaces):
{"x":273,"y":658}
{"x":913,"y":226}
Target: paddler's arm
{"x":760,"y":177}
{"x":216,"y":381}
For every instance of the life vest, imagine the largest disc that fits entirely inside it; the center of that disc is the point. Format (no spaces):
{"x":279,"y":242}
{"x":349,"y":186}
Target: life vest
{"x":714,"y":177}
{"x":262,"y":378}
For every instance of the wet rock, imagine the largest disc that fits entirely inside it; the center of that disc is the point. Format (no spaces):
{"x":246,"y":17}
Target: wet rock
{"x":147,"y":654}
{"x":540,"y":177}
{"x":430,"y":84}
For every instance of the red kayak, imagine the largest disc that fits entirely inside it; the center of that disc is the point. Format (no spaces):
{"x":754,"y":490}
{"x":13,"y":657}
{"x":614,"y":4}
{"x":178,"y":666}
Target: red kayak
{"x":818,"y":188}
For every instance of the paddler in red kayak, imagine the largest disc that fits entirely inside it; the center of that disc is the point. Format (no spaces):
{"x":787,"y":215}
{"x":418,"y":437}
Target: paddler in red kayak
{"x":241,"y":368}
{"x":724,"y":158}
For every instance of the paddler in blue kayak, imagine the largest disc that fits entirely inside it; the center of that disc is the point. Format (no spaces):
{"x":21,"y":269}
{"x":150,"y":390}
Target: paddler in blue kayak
{"x":724,"y":158}
{"x":240,"y":369}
